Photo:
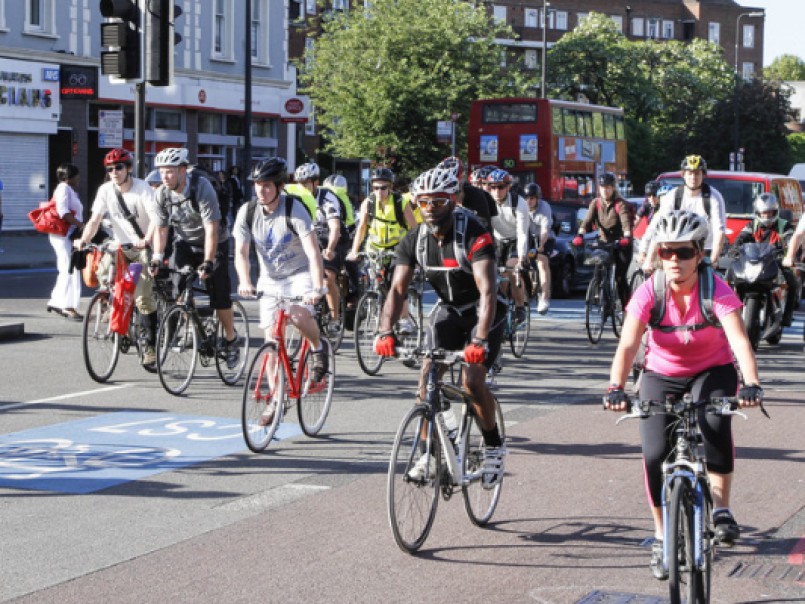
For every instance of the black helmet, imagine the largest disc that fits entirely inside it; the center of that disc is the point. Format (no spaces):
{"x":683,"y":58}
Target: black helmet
{"x":694,"y":162}
{"x":274,"y":169}
{"x":382,"y":173}
{"x":532,"y":190}
{"x":607,"y":178}
{"x":652,"y":187}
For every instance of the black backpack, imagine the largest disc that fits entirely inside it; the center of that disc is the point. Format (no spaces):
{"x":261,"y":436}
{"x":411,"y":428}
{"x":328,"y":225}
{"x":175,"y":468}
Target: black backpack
{"x":289,"y":201}
{"x":196,"y":173}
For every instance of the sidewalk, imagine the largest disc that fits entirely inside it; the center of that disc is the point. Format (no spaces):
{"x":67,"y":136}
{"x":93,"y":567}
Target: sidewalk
{"x":24,"y":250}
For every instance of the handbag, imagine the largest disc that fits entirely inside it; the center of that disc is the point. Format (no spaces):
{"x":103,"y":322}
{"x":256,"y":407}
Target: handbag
{"x":90,"y":272}
{"x":126,"y":278}
{"x":46,"y":219}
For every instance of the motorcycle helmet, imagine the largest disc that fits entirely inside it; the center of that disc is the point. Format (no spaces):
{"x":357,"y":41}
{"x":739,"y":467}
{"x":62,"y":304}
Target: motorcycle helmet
{"x":766,"y":202}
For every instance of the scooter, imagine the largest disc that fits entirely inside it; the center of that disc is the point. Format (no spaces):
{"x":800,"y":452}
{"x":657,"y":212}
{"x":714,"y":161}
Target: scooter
{"x":756,"y":276}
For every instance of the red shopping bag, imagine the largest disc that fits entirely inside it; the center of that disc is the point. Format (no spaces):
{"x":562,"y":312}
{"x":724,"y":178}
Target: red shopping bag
{"x":123,"y":303}
{"x":47,"y":220}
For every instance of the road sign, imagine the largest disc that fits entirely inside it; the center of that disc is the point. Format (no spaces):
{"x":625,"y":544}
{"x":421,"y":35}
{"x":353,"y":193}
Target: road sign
{"x":110,"y":128}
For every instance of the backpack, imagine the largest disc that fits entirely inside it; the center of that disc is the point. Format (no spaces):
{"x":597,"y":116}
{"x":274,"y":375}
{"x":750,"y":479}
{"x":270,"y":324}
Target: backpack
{"x":251,"y":208}
{"x":707,"y":286}
{"x":705,"y":199}
{"x":629,"y":207}
{"x":399,"y":215}
{"x":461,"y":218}
{"x":196,"y":173}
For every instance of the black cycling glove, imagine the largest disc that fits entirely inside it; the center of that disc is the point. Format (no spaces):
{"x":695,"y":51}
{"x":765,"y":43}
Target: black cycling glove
{"x":616,"y":396}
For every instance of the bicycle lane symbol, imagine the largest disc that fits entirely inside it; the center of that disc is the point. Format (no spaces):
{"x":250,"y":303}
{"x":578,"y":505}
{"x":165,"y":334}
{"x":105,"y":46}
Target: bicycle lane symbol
{"x":95,"y":453}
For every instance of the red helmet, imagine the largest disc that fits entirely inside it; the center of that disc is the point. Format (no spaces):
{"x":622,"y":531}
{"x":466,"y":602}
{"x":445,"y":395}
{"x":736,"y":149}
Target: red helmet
{"x":118,"y":156}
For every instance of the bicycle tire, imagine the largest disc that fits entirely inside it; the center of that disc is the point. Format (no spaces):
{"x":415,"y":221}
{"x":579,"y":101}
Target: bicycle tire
{"x":99,"y":342}
{"x":177,"y":350}
{"x":638,"y":279}
{"x":479,"y":503}
{"x":414,"y":340}
{"x":682,"y":575}
{"x":412,"y":503}
{"x":367,"y":324}
{"x":615,"y":306}
{"x":518,"y":336}
{"x":334,"y":336}
{"x":228,"y":376}
{"x":315,"y":397}
{"x":258,"y":394}
{"x":594,"y":310}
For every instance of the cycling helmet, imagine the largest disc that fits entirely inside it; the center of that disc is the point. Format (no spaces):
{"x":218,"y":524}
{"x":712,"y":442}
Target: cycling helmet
{"x":665,"y":189}
{"x":532,"y":190}
{"x":437,"y":180}
{"x":175,"y":156}
{"x":694,"y":162}
{"x":153,"y":178}
{"x":118,"y":156}
{"x":307,"y":172}
{"x":274,"y":170}
{"x":766,"y":202}
{"x":607,"y":178}
{"x":652,"y":188}
{"x":499,"y":175}
{"x":382,"y":173}
{"x":485,"y":171}
{"x":681,"y":225}
{"x":336,"y":181}
{"x":451,"y":163}
{"x":475,"y":177}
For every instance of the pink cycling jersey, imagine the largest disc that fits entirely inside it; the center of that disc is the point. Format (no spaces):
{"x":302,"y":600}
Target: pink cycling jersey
{"x":684,"y":353}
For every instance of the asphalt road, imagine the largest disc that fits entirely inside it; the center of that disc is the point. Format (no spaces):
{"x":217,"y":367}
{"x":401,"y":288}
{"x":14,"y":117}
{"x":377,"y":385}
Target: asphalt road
{"x":307,"y":521}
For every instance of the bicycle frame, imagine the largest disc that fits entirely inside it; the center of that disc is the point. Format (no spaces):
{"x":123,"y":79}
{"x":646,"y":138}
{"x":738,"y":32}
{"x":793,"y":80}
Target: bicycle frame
{"x":294,"y":379}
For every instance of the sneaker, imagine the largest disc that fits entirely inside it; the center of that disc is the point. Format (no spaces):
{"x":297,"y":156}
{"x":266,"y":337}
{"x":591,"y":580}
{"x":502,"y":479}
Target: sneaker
{"x":491,"y":376}
{"x":727,"y":530}
{"x":149,"y":356}
{"x":334,"y":328}
{"x":405,"y":326}
{"x":424,"y":468}
{"x":657,"y":569}
{"x":320,"y":362}
{"x":232,"y":350}
{"x":543,"y":306}
{"x":268,"y":415}
{"x":519,"y":315}
{"x":494,"y":464}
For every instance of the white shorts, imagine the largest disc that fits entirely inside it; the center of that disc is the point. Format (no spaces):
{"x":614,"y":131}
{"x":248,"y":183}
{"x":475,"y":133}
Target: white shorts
{"x":296,"y":285}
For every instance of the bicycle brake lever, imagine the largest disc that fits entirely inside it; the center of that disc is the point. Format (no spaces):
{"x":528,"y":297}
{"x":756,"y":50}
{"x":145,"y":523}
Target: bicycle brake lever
{"x":763,"y":409}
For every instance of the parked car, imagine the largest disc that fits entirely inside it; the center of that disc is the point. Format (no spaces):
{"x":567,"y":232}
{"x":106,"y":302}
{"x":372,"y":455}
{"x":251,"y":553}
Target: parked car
{"x":568,"y":271}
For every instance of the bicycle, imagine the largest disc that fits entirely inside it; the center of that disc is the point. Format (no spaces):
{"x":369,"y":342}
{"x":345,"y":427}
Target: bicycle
{"x":458,"y":460}
{"x":293,"y":339}
{"x":272,"y":382}
{"x":687,"y":503}
{"x":101,"y":347}
{"x":370,"y":307}
{"x":516,"y":332}
{"x":602,"y":301}
{"x":188,"y":335}
{"x":638,"y":278}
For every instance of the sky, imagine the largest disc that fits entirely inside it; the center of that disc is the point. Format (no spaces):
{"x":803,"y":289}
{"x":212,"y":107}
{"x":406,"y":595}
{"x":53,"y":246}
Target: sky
{"x":785,"y":20}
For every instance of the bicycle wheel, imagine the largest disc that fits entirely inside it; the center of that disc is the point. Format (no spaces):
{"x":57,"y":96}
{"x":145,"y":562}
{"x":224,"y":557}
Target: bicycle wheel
{"x":594,"y":310}
{"x":315,"y":397}
{"x":615,"y":306}
{"x":638,"y":279}
{"x":367,"y":323}
{"x":683,"y":579}
{"x":177,"y":350}
{"x":334,"y":335}
{"x":414,"y":340}
{"x":412,"y":501}
{"x":518,"y":338}
{"x":100,"y":343}
{"x":258,"y":394}
{"x":479,"y":502}
{"x":231,"y":375}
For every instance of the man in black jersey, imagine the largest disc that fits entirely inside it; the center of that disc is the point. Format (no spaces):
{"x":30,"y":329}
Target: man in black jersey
{"x":457,"y":256}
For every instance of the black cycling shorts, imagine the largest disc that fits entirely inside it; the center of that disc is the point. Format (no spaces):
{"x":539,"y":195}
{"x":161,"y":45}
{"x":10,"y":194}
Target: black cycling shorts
{"x":451,"y":330}
{"x":219,"y":285}
{"x":337,"y":263}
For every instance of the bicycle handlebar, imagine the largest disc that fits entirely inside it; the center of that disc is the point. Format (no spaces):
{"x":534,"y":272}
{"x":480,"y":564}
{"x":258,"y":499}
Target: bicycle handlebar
{"x":724,"y":405}
{"x":438,"y":355}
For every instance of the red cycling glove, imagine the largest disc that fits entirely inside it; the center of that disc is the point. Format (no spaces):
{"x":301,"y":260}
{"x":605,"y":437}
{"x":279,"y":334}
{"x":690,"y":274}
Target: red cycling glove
{"x":475,"y":352}
{"x":578,"y":240}
{"x":625,"y":242}
{"x":386,"y":345}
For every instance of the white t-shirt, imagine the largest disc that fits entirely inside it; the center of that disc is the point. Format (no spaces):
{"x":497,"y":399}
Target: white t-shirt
{"x":717,"y":220}
{"x":139,"y":200}
{"x":67,"y":201}
{"x":512,"y":223}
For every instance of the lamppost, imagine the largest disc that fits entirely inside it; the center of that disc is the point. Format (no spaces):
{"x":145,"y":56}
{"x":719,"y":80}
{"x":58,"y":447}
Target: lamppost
{"x":545,"y":5}
{"x":736,"y":164}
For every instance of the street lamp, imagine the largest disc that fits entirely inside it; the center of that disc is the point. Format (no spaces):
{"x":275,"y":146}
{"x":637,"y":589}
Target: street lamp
{"x":737,"y":162}
{"x":545,"y":5}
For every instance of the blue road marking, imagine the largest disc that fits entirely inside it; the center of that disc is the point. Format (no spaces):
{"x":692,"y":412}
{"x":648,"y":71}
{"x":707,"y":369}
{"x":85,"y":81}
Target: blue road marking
{"x":91,"y":454}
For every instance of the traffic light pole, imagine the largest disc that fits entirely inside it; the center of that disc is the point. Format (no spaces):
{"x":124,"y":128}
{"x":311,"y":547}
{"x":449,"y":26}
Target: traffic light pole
{"x":139,"y":130}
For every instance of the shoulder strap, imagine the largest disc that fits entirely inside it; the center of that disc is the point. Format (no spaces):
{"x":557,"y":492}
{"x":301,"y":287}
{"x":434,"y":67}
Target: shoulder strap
{"x":289,"y":201}
{"x":193,"y":190}
{"x":126,"y":214}
{"x":460,"y":221}
{"x":250,"y":209}
{"x":658,"y":310}
{"x":678,"y":192}
{"x":398,"y":211}
{"x":707,"y":288}
{"x":705,"y":198}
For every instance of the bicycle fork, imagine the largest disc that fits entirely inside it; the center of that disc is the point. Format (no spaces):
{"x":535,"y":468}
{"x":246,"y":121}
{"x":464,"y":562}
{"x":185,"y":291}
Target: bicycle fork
{"x":682,"y":472}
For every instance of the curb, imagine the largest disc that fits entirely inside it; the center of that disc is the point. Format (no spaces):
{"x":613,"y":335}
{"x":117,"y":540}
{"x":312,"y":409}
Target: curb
{"x":11,"y":331}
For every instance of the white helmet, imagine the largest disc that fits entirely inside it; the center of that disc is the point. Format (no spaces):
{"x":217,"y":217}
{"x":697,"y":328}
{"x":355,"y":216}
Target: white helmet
{"x":766,"y":202}
{"x":174,"y":156}
{"x":681,"y":225}
{"x":336,"y":181}
{"x":306,"y":172}
{"x":435,"y":181}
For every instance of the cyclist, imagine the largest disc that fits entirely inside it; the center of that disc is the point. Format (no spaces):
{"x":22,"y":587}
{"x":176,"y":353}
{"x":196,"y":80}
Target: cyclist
{"x":652,"y":203}
{"x":697,"y":196}
{"x":330,"y":224}
{"x":511,"y":233}
{"x":288,"y":252}
{"x":457,"y":255}
{"x":338,"y":185}
{"x":794,"y":245}
{"x":768,"y":227}
{"x":386,"y":216}
{"x":129,"y":203}
{"x":471,"y":197}
{"x":200,"y":239}
{"x":686,"y":355}
{"x":542,"y":240}
{"x":611,"y":213}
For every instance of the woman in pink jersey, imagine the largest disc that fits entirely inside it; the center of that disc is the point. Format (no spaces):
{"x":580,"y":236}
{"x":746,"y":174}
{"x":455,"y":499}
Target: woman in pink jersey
{"x":698,"y":360}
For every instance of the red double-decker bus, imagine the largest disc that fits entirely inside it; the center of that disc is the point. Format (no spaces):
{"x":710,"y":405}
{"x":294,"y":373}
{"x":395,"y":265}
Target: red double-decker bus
{"x":560,"y":145}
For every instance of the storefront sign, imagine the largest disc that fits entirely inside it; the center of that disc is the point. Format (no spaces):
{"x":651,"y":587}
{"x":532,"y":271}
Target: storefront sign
{"x":79,"y":82}
{"x":110,"y":128}
{"x":295,"y":111}
{"x":29,"y":97}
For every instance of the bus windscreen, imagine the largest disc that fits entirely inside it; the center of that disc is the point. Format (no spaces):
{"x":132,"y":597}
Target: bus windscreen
{"x":509,"y":113}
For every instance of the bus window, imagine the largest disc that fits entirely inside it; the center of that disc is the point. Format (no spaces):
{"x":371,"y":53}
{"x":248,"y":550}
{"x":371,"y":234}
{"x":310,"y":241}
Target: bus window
{"x":556,"y":114}
{"x":609,"y":125}
{"x":621,"y":129}
{"x":588,"y":123}
{"x":598,"y":125}
{"x":509,"y":113}
{"x":580,"y":123}
{"x":570,"y":122}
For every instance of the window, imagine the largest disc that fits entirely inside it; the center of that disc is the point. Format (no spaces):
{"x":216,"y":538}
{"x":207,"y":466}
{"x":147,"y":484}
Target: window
{"x":259,"y":31}
{"x":503,"y":57}
{"x":556,"y":118}
{"x":211,"y":123}
{"x":311,"y":7}
{"x":39,"y":17}
{"x":570,"y":122}
{"x":509,"y":113}
{"x":609,"y":125}
{"x":620,"y":127}
{"x":264,"y":127}
{"x":308,"y":53}
{"x":748,"y":70}
{"x":234,"y":125}
{"x":598,"y":125}
{"x":222,"y":23}
{"x":341,"y":4}
{"x":295,"y":11}
{"x":749,"y":36}
{"x":561,"y":20}
{"x":653,"y":28}
{"x":668,"y":30}
{"x":167,"y":120}
{"x":531,"y":58}
{"x":714,"y":33}
{"x":637,"y":26}
{"x":618,"y":21}
{"x":499,"y":13}
{"x":531,"y":15}
{"x":310,"y":126}
{"x":582,"y":16}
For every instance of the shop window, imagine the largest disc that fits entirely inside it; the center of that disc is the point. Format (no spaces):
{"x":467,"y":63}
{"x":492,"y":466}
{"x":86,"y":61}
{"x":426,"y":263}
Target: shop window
{"x":211,"y":123}
{"x":167,"y":120}
{"x":264,"y":127}
{"x":234,"y":125}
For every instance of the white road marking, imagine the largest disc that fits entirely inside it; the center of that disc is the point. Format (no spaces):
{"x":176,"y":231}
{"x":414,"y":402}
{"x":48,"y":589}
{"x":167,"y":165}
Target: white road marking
{"x":62,"y":397}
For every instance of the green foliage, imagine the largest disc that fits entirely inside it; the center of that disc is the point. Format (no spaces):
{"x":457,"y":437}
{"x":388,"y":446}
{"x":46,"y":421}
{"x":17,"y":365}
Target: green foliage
{"x":380,"y":80}
{"x":796,"y":143}
{"x":785,"y":68}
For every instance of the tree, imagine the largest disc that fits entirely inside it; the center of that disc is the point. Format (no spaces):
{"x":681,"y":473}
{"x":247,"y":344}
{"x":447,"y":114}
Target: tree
{"x":796,"y":142}
{"x":379,"y":85}
{"x":785,"y":68}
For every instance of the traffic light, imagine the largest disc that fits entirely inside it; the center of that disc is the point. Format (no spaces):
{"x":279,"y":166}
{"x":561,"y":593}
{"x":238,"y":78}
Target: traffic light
{"x":123,"y":34}
{"x":160,"y":38}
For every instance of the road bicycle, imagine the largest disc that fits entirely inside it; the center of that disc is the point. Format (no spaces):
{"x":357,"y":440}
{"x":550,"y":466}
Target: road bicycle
{"x":370,"y":308}
{"x":101,"y":347}
{"x":273,"y":385}
{"x":190,"y":334}
{"x":689,"y":541}
{"x":638,"y":278}
{"x":516,"y":333}
{"x":457,"y":459}
{"x":602,"y":301}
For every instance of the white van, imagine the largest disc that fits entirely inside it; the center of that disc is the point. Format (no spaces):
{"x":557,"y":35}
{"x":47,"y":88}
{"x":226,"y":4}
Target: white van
{"x":798,"y":173}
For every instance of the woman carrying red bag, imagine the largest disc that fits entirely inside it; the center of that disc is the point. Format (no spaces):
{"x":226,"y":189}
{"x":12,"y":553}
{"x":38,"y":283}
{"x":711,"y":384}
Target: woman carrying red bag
{"x":66,"y":295}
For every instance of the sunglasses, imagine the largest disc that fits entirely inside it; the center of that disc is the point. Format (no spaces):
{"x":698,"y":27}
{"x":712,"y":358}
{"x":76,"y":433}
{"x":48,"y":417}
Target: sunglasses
{"x":682,"y":253}
{"x":116,"y":167}
{"x":436,"y":202}
{"x":381,"y":188}
{"x":498,"y":187}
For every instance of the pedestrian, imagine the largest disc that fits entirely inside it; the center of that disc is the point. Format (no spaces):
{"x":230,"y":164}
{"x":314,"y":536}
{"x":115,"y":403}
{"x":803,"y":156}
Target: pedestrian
{"x":235,"y":190}
{"x":66,"y":294}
